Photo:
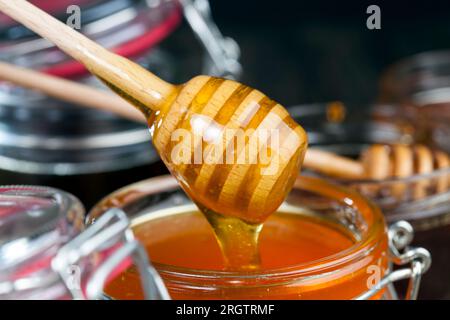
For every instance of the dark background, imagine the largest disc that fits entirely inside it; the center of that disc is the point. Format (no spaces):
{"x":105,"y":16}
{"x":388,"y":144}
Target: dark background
{"x":316,"y":51}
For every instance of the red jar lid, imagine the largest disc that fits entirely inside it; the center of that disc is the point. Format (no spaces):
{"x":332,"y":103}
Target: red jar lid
{"x":130,"y":49}
{"x":148,"y":26}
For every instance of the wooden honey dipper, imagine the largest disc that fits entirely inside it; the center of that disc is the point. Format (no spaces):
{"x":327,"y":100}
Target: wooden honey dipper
{"x":380,"y":162}
{"x":204,"y":106}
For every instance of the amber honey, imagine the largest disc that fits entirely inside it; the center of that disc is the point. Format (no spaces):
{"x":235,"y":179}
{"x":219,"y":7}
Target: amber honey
{"x":287,"y":239}
{"x":323,"y":243}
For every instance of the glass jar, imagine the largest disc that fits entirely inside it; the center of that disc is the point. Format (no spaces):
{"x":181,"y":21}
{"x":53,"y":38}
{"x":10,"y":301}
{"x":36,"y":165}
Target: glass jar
{"x":47,"y":253}
{"x":420,"y":88}
{"x":429,"y":214}
{"x":183,"y":250}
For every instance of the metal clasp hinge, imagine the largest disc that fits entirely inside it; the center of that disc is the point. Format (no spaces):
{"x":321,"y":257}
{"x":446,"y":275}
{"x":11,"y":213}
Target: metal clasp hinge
{"x":110,"y":233}
{"x":419,"y":259}
{"x":223,"y":51}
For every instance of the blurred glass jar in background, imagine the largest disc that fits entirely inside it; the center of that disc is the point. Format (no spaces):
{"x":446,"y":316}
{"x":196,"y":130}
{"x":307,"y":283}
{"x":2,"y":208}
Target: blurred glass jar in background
{"x":428,"y":214}
{"x":91,"y":153}
{"x":420,"y":88}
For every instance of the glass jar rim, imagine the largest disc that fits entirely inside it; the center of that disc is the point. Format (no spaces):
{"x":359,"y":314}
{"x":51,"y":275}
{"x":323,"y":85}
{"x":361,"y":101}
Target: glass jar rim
{"x":419,"y":60}
{"x":370,"y":239}
{"x":29,"y":237}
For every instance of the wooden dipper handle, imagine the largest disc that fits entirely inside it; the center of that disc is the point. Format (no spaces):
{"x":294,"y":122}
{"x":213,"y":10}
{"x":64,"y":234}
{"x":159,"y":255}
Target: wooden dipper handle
{"x":332,"y":164}
{"x":70,"y":91}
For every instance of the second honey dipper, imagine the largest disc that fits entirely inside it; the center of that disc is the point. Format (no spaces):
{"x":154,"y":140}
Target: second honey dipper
{"x":378,"y":162}
{"x":393,"y":162}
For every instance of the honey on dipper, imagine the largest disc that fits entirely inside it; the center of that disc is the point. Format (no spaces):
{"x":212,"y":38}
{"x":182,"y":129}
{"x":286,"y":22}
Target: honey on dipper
{"x":234,"y":151}
{"x":216,"y":115}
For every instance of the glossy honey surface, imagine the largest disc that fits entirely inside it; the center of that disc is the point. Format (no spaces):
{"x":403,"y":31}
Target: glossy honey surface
{"x":287,"y":240}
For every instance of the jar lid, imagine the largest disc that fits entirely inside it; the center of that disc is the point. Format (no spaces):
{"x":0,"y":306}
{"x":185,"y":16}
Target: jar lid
{"x":127,"y":27}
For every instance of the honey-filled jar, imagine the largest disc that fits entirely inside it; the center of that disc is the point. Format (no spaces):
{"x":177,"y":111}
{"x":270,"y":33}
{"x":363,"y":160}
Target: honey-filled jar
{"x":324,"y":242}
